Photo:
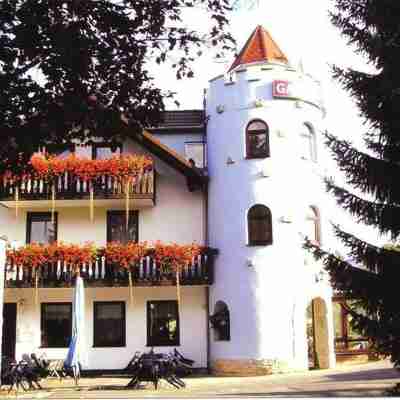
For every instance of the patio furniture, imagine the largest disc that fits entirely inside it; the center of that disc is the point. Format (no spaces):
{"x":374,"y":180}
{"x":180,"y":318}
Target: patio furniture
{"x":152,"y":367}
{"x":56,"y":369}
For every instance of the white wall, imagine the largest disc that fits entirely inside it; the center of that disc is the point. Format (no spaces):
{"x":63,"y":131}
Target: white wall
{"x":193,"y":325}
{"x":268,"y":301}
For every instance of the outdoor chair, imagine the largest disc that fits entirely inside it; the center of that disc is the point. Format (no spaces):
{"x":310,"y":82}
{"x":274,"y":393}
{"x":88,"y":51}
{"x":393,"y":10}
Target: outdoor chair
{"x":152,"y":367}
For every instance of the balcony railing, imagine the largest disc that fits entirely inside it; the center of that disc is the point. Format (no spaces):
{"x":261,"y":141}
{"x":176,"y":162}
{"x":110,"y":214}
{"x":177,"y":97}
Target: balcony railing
{"x":71,"y":188}
{"x":102,"y":273}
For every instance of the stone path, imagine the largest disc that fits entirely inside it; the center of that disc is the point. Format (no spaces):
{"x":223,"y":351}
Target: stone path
{"x":348,"y":381}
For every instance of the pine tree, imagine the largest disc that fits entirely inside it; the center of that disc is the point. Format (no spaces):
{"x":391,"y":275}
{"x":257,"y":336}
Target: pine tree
{"x":373,"y":27}
{"x":70,"y":68}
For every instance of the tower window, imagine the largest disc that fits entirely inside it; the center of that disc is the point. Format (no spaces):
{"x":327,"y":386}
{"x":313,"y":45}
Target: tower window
{"x":257,"y":140}
{"x":259,"y":220}
{"x":308,"y":143}
{"x":220,"y":321}
{"x":313,"y":230}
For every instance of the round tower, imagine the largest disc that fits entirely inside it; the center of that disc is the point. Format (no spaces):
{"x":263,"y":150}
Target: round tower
{"x":270,"y":303}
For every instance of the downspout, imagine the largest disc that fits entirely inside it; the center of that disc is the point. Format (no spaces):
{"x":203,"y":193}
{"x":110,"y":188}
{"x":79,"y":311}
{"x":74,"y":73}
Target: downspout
{"x":205,"y":228}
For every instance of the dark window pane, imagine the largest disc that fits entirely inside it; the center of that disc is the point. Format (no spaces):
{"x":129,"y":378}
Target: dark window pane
{"x":257,"y":140}
{"x":117,"y":229}
{"x":56,"y":324}
{"x":220,"y":322}
{"x":259,"y":225}
{"x":40,"y":228}
{"x":257,"y":144}
{"x":109,"y":324}
{"x":162,"y":323}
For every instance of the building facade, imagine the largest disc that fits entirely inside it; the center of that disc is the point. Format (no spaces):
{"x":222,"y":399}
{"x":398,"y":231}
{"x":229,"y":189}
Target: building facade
{"x":242,"y":179}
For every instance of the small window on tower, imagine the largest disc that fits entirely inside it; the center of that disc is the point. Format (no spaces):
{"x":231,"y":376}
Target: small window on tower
{"x":313,"y":225}
{"x":259,"y":222}
{"x":257,"y":140}
{"x":308,"y":143}
{"x":220,"y":321}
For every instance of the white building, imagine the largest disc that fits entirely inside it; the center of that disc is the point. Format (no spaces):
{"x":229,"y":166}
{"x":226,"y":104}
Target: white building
{"x":255,"y":302}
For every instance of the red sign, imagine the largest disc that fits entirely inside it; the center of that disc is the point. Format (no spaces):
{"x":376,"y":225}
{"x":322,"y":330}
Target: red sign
{"x":280,"y":89}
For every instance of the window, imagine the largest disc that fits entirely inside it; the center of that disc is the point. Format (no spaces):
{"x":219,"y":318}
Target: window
{"x":101,"y":151}
{"x":40,"y":229}
{"x":257,"y":140}
{"x":109,"y":324}
{"x":347,"y":339}
{"x":56,"y":324}
{"x":162,"y":323}
{"x":259,"y":221}
{"x":117,"y":229}
{"x":195,"y":151}
{"x":220,"y":321}
{"x":308,"y":143}
{"x":313,"y":226}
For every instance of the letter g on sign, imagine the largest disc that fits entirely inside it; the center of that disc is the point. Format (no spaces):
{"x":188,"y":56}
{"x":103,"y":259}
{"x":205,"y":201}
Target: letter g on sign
{"x":280,"y":89}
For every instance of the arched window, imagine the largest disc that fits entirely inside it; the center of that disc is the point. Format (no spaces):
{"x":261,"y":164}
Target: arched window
{"x":220,"y":321}
{"x":259,"y":221}
{"x":308,"y":143}
{"x":313,"y":225}
{"x":257,"y":140}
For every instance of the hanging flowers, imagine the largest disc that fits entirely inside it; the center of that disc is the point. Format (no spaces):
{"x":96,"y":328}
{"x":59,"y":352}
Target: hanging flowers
{"x":127,"y":256}
{"x":174,"y":257}
{"x":169,"y":257}
{"x":125,"y":169}
{"x":121,"y":167}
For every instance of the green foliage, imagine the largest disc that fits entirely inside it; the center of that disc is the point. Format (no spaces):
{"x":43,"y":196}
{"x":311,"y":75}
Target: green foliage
{"x":70,"y":68}
{"x":372,"y":26}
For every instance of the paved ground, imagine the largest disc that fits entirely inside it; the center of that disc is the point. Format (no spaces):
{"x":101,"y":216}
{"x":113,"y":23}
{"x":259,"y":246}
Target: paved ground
{"x":350,"y":381}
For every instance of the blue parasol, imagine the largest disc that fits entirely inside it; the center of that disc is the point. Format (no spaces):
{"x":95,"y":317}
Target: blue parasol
{"x":76,"y":344}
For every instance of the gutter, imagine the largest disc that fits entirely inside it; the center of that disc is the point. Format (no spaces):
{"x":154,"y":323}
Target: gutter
{"x":206,"y":236}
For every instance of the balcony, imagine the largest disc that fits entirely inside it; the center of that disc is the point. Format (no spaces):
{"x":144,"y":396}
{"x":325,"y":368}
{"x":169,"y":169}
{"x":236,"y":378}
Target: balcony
{"x":101,"y":273}
{"x":71,"y":192}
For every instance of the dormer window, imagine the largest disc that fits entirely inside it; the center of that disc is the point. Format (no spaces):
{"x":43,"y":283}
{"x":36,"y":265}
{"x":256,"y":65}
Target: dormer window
{"x":257,"y":140}
{"x":101,"y":151}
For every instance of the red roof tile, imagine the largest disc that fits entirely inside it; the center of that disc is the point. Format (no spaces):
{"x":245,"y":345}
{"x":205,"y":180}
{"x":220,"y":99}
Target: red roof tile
{"x":259,"y":47}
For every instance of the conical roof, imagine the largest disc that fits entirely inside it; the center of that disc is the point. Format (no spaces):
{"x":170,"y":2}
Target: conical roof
{"x":259,"y":47}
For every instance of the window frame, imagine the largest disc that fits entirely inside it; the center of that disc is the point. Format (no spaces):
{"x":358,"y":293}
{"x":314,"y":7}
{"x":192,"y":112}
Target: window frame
{"x":221,"y":312}
{"x":42,"y":319}
{"x":267,"y":152}
{"x":260,"y":242}
{"x":97,"y":145}
{"x":151,"y":343}
{"x":317,"y":224}
{"x":133,"y":213}
{"x":30,"y":217}
{"x":312,"y":143}
{"x":96,"y":304}
{"x":203,"y":143}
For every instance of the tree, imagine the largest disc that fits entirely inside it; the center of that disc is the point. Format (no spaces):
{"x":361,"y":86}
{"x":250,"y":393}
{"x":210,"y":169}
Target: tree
{"x":69,"y":69}
{"x":373,"y":27}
